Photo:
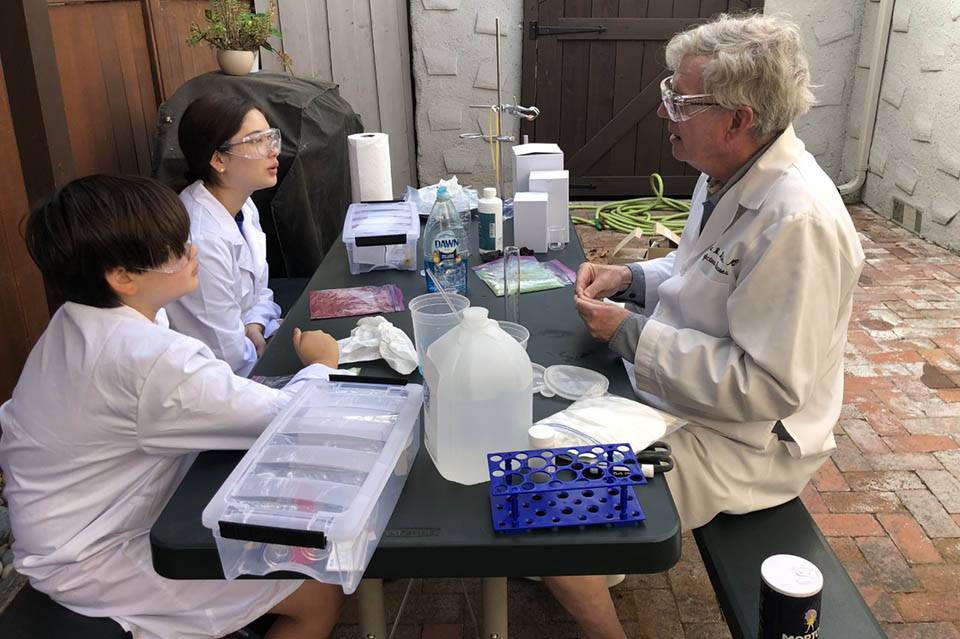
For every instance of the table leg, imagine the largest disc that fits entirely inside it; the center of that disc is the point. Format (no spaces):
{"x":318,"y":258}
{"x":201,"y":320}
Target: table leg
{"x":494,"y":608}
{"x":373,"y":624}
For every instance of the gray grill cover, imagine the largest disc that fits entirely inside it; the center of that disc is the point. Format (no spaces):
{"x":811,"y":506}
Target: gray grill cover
{"x":303,"y":214}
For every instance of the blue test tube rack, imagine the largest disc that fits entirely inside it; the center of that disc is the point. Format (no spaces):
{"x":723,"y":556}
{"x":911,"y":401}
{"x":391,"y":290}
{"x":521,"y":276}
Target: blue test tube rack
{"x":570,"y":486}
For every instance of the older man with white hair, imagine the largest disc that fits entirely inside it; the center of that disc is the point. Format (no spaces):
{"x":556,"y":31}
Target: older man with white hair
{"x":742,"y":329}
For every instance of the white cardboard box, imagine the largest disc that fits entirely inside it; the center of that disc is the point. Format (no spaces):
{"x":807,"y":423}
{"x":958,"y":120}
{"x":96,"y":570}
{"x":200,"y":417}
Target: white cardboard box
{"x":530,"y":220}
{"x":556,"y":184}
{"x":534,"y":157}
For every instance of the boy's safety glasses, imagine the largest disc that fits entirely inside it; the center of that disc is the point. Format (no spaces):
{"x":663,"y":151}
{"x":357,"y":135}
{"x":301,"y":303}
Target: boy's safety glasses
{"x":255,"y":146}
{"x":683,"y":107}
{"x":181,"y":263}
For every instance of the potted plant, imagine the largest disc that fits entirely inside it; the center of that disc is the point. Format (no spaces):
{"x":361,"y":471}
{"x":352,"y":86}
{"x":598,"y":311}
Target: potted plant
{"x":237,"y":33}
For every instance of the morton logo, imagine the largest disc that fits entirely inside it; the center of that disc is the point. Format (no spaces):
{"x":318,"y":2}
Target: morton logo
{"x":810,"y":617}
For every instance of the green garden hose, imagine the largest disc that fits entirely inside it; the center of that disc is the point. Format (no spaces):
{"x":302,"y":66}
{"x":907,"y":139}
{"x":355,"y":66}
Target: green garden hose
{"x":627,"y":215}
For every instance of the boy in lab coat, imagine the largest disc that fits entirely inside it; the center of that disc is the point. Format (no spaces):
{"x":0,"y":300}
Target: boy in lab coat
{"x":111,"y":408}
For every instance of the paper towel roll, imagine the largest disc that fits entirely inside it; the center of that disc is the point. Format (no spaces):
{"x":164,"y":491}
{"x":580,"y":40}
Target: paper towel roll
{"x":370,"y":176}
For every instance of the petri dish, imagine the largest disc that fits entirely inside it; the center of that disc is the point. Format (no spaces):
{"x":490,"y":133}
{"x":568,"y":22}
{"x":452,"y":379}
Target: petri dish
{"x":573,"y":382}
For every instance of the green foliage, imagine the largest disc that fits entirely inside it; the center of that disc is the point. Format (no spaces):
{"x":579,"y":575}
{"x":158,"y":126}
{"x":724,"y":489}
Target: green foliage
{"x":232,"y":26}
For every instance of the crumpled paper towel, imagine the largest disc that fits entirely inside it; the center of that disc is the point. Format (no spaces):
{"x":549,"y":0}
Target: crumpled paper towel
{"x":375,"y":337}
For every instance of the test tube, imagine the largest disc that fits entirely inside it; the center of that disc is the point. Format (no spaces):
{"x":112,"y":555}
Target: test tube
{"x":511,"y":283}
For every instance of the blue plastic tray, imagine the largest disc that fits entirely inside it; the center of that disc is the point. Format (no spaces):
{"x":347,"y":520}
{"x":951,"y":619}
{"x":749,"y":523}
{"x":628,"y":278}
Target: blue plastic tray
{"x":572,"y":486}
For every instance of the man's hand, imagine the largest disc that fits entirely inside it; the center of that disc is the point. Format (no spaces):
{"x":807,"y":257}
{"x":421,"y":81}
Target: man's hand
{"x":596,"y":281}
{"x":254,"y":333}
{"x":601,"y":318}
{"x":316,"y":347}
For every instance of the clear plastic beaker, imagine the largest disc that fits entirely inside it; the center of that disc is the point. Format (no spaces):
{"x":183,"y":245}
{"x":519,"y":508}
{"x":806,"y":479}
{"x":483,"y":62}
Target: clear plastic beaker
{"x":518,"y":332}
{"x":432,"y":318}
{"x":555,"y":238}
{"x":511,"y":283}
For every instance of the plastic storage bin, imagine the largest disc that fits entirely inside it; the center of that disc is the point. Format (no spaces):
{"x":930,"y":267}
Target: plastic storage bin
{"x":381,"y":235}
{"x":315,"y":491}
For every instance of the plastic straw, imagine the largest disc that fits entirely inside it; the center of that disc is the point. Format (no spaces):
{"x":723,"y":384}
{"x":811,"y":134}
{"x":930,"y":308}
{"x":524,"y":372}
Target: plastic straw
{"x":443,"y":293}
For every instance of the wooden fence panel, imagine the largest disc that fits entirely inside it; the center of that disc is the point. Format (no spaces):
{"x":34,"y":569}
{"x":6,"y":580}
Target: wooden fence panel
{"x":363,"y":46}
{"x":107,"y":83}
{"x":23,"y":305}
{"x":177,"y":62}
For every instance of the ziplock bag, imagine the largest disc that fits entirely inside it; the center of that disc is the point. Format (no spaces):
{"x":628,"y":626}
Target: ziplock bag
{"x":534,"y":275}
{"x":355,"y":300}
{"x":611,"y":418}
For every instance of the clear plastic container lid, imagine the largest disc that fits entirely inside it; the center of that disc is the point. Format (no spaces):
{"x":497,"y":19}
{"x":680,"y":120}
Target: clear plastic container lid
{"x":537,"y":377}
{"x":573,"y":382}
{"x":381,"y":219}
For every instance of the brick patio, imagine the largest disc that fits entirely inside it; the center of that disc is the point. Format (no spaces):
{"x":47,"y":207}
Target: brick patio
{"x":888,"y":500}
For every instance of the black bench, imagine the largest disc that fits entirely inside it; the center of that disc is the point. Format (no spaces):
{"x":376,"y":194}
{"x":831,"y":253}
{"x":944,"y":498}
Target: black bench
{"x":34,"y":615}
{"x":734,"y":546}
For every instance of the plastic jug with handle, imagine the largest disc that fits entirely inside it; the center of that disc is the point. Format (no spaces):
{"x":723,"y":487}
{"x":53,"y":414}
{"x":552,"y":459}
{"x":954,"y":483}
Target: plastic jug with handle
{"x":478,"y":397}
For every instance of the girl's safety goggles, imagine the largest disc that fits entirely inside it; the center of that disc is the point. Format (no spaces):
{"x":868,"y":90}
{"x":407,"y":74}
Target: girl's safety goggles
{"x":683,"y":107}
{"x":181,"y":262}
{"x":255,"y":146}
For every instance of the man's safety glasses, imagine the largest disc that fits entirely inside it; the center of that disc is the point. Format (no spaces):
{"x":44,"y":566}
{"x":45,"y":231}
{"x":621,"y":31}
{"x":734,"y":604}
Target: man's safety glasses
{"x":255,"y":146}
{"x":182,"y":262}
{"x":683,"y":107}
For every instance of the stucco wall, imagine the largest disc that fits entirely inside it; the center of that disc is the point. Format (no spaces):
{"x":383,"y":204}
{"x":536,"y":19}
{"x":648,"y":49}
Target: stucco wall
{"x":915,"y":155}
{"x":831,"y":38}
{"x":454,"y":66}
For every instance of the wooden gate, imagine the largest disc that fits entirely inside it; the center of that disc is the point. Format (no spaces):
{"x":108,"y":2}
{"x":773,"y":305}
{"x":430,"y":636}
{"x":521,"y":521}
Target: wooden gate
{"x":594,"y":67}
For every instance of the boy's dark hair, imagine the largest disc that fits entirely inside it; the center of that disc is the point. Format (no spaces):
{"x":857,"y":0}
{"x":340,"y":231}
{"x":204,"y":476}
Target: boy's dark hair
{"x":206,"y":125}
{"x":100,"y":222}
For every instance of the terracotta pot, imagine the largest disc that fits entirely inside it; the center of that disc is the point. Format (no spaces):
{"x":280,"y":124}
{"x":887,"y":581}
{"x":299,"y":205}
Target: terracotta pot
{"x":236,"y":62}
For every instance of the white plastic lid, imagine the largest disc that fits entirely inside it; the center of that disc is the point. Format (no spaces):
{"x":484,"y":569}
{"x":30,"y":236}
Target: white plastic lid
{"x":573,"y":382}
{"x":489,"y":193}
{"x":791,"y":575}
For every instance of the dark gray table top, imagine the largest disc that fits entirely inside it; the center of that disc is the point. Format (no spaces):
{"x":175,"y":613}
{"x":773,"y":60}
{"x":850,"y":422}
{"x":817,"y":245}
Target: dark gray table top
{"x":440,"y":528}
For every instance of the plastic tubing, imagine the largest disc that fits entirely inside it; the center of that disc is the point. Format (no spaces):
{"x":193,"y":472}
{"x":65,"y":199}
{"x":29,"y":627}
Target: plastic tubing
{"x":627,"y":215}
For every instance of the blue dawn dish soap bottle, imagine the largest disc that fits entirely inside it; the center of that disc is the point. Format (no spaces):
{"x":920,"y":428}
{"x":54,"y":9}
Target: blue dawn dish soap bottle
{"x":445,"y":247}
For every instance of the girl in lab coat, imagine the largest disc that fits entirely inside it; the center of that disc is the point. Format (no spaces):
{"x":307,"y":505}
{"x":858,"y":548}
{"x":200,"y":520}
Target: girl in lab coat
{"x":231,"y":151}
{"x":111,"y":408}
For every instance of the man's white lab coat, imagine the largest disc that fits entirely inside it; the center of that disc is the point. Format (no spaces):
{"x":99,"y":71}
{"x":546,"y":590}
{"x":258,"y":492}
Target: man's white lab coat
{"x":101,"y":428}
{"x":748,"y":320}
{"x":233,"y":276}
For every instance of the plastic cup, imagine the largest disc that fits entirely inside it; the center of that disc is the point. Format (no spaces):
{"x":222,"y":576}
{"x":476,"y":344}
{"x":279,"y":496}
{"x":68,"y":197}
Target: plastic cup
{"x":432,"y":318}
{"x":555,"y":238}
{"x":518,"y":332}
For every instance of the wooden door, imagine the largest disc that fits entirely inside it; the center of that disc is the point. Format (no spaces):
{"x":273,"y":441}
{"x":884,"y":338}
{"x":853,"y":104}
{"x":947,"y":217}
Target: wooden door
{"x":598,"y":88}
